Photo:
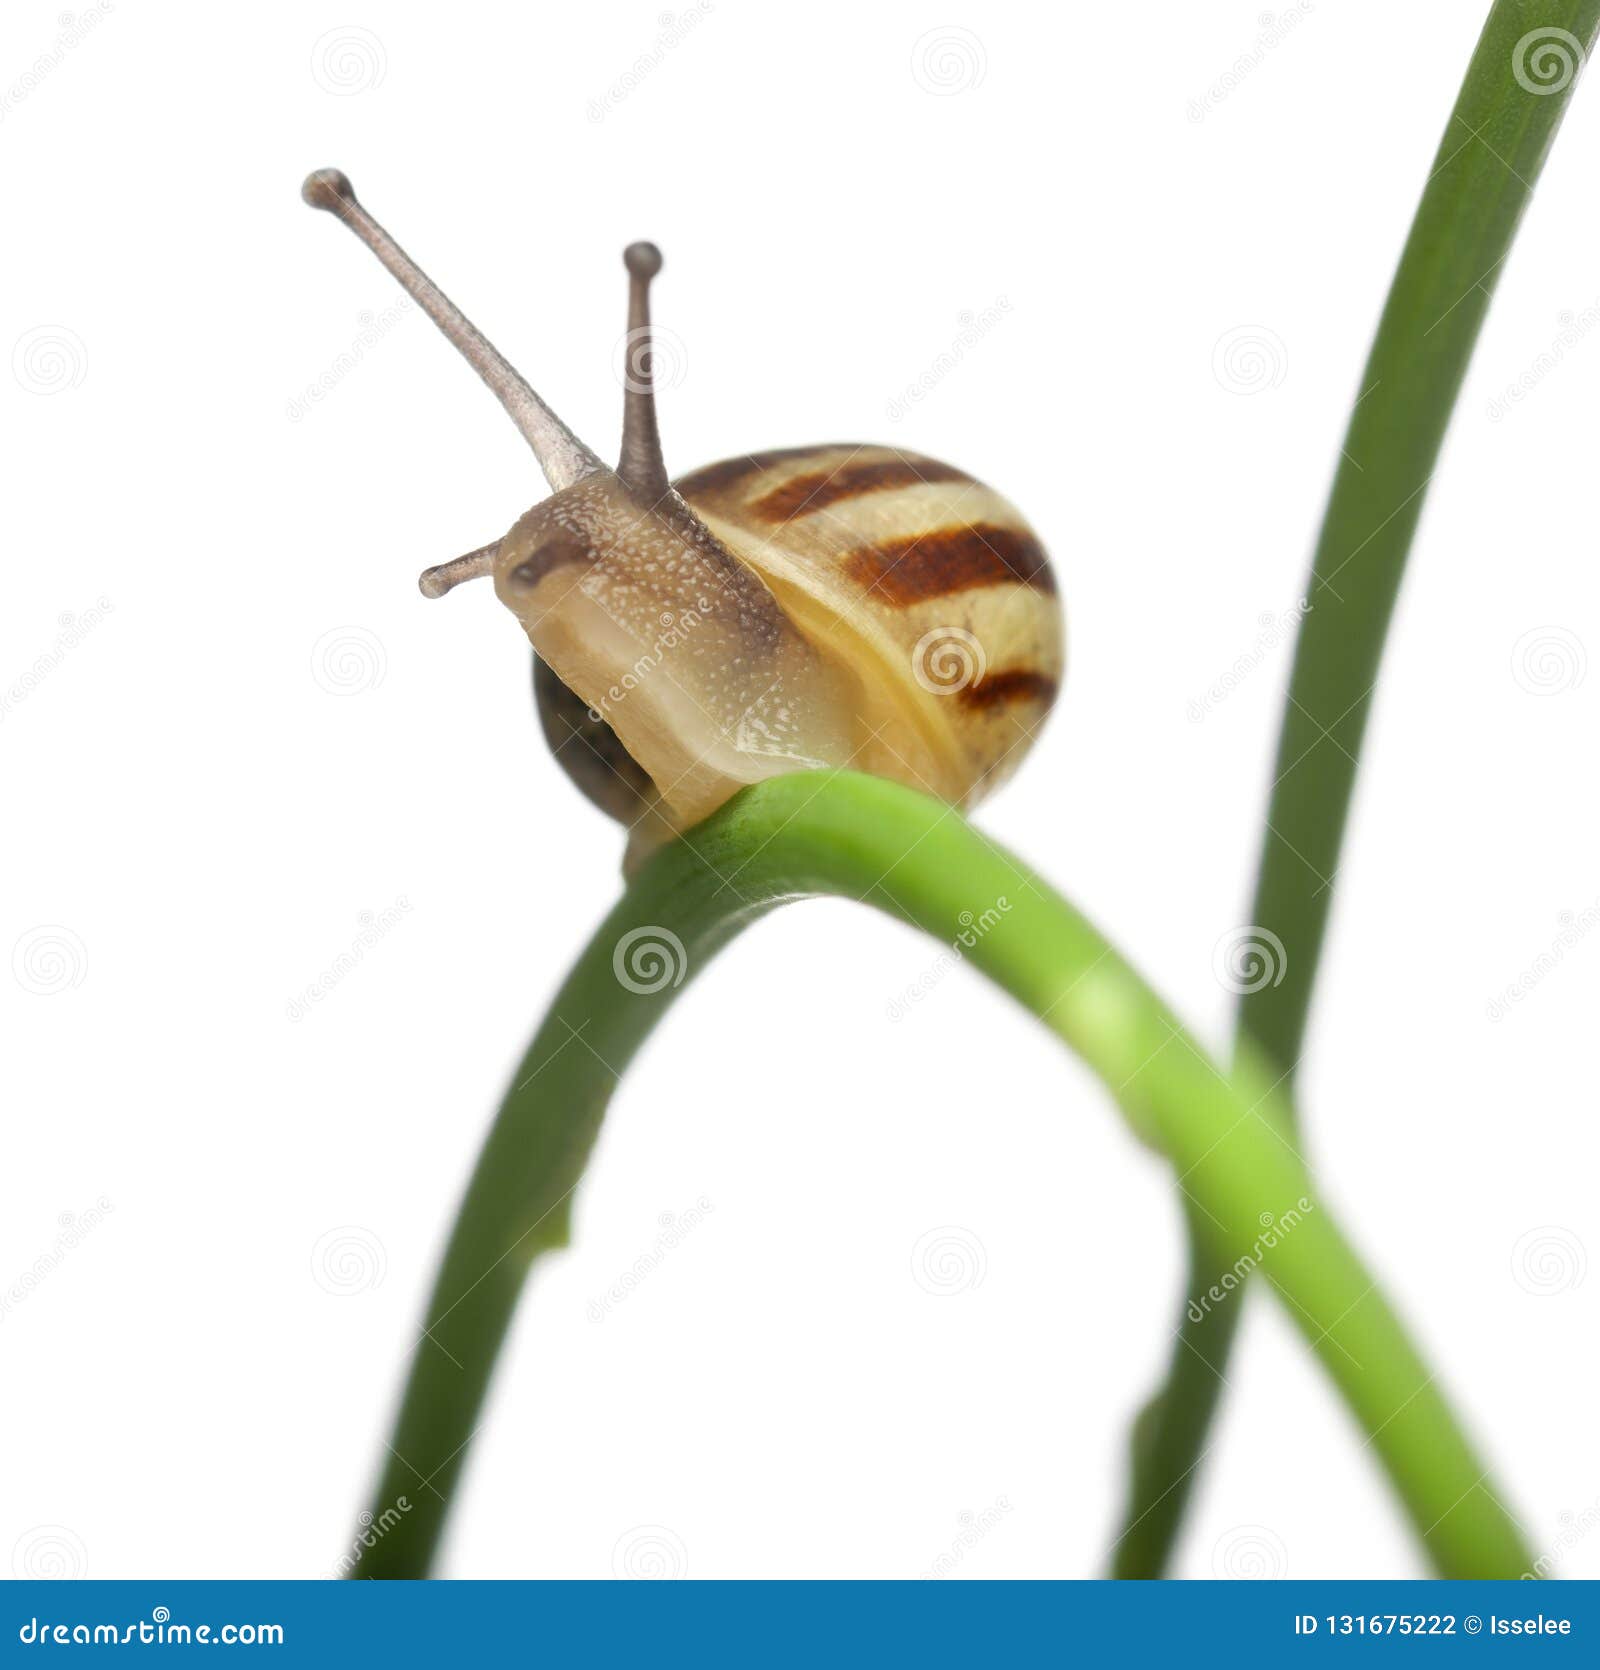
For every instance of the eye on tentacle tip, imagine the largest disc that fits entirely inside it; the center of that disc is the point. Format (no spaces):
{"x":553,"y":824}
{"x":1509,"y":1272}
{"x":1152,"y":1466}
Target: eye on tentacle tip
{"x":328,"y":188}
{"x":643,"y":260}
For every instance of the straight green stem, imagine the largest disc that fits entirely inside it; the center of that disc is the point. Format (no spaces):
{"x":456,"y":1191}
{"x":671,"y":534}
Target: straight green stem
{"x":867,"y":839}
{"x":1169,"y":1436}
{"x":1515,"y":93}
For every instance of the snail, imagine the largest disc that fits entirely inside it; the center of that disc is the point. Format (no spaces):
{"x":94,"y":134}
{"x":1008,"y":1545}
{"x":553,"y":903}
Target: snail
{"x":808,"y":607}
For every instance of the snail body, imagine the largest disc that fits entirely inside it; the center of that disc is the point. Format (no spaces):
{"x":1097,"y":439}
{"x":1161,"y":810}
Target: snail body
{"x":825,"y":606}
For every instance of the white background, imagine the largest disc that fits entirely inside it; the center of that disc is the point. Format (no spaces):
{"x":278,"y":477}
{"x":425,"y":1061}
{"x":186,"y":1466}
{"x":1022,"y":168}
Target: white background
{"x":207,"y":819}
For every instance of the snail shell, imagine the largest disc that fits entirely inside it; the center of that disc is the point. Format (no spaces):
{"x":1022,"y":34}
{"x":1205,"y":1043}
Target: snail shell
{"x":927,"y":585}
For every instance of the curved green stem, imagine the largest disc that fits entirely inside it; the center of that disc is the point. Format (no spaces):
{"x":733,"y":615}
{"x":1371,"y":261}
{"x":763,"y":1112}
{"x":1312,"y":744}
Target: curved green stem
{"x":1513,"y":98}
{"x":863,"y":838}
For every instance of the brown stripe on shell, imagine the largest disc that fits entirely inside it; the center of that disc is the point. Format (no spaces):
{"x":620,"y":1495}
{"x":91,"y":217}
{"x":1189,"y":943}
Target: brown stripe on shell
{"x":802,"y":495}
{"x":717,"y":478}
{"x":1014,"y":684}
{"x":916,"y":567}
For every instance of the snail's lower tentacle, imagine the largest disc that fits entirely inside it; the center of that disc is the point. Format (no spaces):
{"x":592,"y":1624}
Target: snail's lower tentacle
{"x":475,"y":565}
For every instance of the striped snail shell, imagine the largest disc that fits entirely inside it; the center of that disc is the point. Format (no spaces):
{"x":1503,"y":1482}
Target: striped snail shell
{"x":824,"y":606}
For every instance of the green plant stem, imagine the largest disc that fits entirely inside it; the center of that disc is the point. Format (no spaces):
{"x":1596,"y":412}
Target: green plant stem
{"x":1492,"y":150}
{"x":867,"y":839}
